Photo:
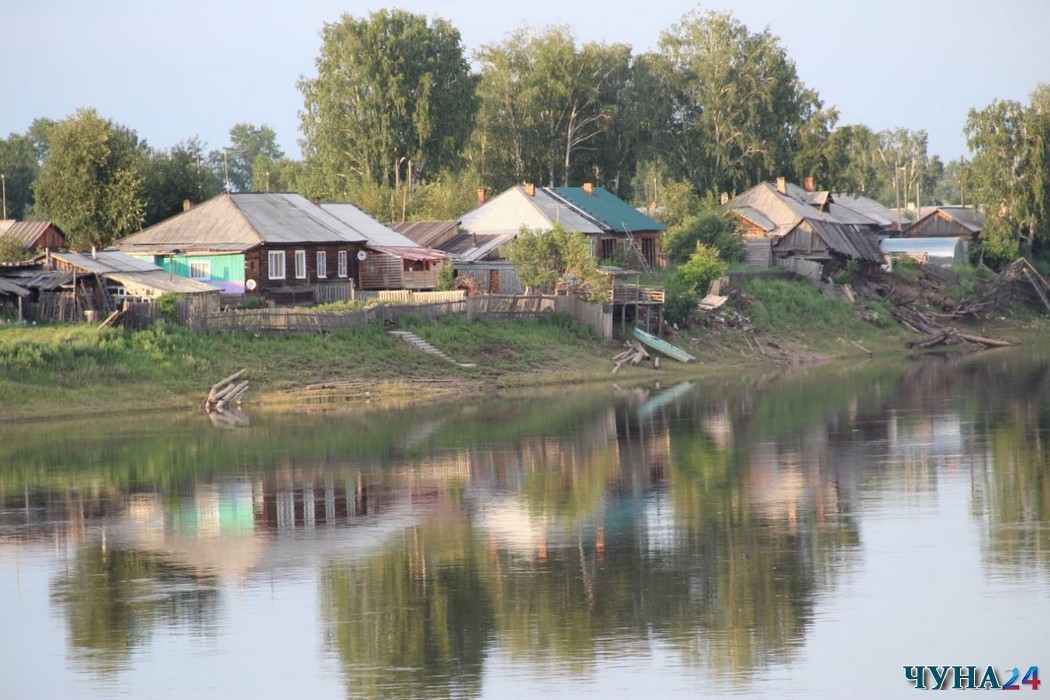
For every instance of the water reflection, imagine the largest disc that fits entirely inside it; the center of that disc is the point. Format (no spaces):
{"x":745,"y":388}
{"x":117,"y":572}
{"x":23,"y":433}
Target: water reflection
{"x":703,"y":522}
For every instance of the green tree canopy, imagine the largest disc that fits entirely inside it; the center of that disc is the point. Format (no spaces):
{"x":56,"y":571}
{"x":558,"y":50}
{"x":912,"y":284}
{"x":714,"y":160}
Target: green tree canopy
{"x":1010,"y":173}
{"x":90,"y":183}
{"x":711,"y":228}
{"x":546,"y":258}
{"x":176,"y":175}
{"x":248,"y":143}
{"x":392,"y":92}
{"x":546,"y":106}
{"x":737,"y":103}
{"x":19,"y":167}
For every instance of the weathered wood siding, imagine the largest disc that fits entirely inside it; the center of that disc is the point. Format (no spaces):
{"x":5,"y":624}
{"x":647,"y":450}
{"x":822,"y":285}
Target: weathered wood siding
{"x":256,"y":266}
{"x":382,"y":271}
{"x":936,"y":227}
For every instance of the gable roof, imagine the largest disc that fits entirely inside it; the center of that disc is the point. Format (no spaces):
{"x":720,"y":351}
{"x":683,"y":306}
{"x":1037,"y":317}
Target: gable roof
{"x":29,"y":232}
{"x":514,"y":208}
{"x":968,"y":217}
{"x":872,"y":209}
{"x":611,"y":211}
{"x":763,"y":205}
{"x":234,"y":222}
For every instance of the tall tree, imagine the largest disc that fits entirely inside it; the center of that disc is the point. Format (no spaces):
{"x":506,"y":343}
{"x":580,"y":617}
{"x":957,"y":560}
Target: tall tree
{"x":18,"y":168}
{"x":236,"y":162}
{"x":548,"y":107}
{"x":1011,"y":172}
{"x":393,"y":95}
{"x":738,"y":104}
{"x":173,"y":176}
{"x":90,"y":183}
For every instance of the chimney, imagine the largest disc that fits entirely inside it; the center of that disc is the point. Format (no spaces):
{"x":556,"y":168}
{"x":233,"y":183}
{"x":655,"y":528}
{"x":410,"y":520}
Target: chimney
{"x":187,"y":205}
{"x":481,"y":196}
{"x":782,"y":185}
{"x":94,"y":253}
{"x":588,"y":187}
{"x":530,"y":189}
{"x":808,"y":184}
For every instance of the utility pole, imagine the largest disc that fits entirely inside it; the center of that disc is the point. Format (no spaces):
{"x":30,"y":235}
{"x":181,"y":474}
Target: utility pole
{"x":3,"y":181}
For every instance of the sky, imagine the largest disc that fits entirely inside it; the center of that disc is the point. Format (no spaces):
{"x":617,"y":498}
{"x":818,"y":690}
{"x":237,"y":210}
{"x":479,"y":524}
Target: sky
{"x":195,"y":68}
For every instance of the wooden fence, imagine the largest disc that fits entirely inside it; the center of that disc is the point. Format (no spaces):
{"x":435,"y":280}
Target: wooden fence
{"x":489,"y":306}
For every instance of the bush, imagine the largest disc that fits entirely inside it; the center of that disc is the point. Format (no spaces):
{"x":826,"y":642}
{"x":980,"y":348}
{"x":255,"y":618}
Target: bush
{"x":702,"y":268}
{"x":710,"y":228}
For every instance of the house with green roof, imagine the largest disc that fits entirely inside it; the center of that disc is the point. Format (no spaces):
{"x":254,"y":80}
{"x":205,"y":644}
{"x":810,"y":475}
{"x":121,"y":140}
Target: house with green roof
{"x":614,"y":226}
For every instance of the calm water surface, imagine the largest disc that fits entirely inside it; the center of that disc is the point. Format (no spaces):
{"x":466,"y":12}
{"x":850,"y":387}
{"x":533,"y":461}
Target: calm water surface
{"x":804,"y":535}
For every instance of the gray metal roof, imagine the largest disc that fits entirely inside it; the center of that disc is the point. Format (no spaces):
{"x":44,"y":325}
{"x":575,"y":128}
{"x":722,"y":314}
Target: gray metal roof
{"x":373,"y":231}
{"x":163,"y":281}
{"x":427,"y":233}
{"x":882,"y":215}
{"x":240,"y":221}
{"x":104,"y":261}
{"x":787,"y":212}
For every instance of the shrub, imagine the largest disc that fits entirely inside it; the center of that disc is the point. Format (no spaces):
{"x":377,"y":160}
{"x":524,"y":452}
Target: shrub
{"x":703,"y":267}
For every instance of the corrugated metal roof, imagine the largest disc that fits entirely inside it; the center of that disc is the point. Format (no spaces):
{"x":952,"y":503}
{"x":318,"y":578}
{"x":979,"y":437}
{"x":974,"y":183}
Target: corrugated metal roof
{"x":881,"y":215}
{"x":608,"y":209}
{"x":427,"y":233}
{"x":373,"y":231}
{"x":104,"y":261}
{"x":944,"y":246}
{"x":756,"y":217}
{"x":28,"y":232}
{"x":416,"y":253}
{"x":292,"y":218}
{"x":240,"y":221}
{"x":471,"y":247}
{"x":787,"y":212}
{"x":164,"y":281}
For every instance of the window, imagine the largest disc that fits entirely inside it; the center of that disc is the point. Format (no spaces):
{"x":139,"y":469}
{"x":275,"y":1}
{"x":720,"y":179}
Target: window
{"x":276,"y":260}
{"x":300,"y":264}
{"x":341,"y":264}
{"x":200,"y":270}
{"x":322,"y":263}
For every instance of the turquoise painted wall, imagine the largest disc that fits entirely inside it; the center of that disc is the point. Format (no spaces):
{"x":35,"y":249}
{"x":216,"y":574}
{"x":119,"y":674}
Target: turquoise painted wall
{"x":227,"y":269}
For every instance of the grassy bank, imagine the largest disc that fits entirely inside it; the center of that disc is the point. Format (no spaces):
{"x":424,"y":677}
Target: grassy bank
{"x":68,"y":370}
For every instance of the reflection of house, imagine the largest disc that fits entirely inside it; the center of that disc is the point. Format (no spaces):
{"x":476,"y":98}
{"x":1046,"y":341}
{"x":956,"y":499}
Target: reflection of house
{"x":947,"y":221}
{"x":34,"y":235}
{"x":804,"y":230}
{"x":281,"y":247}
{"x":611,"y":224}
{"x":392,"y":260}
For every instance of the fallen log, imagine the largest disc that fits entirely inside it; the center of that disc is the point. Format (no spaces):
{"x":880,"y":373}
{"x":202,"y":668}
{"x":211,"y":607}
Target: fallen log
{"x":950,"y":336}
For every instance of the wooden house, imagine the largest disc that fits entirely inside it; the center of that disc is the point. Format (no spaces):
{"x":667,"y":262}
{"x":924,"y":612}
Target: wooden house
{"x":947,"y":222}
{"x":280,"y":247}
{"x":803,"y":230}
{"x":36,"y":236}
{"x":391,"y":260}
{"x":612,"y":224}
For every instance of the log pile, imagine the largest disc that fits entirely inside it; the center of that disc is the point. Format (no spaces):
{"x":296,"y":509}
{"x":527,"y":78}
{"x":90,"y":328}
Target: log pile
{"x":634,"y":354}
{"x":226,"y":393}
{"x":950,"y":336}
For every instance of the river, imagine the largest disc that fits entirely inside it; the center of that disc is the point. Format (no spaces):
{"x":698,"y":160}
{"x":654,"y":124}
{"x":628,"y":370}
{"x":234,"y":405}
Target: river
{"x":819,"y":533}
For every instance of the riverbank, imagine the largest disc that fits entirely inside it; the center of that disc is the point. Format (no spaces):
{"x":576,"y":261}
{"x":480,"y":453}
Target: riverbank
{"x":48,"y":372}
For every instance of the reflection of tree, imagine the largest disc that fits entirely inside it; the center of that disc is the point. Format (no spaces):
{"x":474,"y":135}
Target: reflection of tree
{"x":113,"y":598}
{"x":412,"y":622}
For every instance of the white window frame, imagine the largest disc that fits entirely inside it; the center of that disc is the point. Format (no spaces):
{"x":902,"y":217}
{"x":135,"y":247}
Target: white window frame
{"x":341,"y":270}
{"x":276,"y":264}
{"x":200,"y":270}
{"x":322,"y":264}
{"x":300,"y":264}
